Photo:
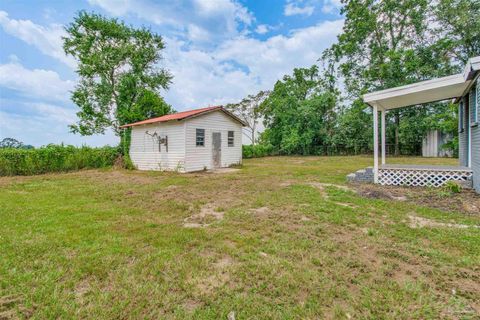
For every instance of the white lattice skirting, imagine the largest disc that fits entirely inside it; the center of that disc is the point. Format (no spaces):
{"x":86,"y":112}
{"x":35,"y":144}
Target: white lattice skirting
{"x":422,"y":177}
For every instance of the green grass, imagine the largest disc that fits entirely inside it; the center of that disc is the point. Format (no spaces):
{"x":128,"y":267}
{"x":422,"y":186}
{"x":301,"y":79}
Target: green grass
{"x":109,"y":244}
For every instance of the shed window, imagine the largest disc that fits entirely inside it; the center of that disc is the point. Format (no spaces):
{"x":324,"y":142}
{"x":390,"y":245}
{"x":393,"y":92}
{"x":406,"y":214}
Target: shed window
{"x":200,"y":137}
{"x":230,"y":138}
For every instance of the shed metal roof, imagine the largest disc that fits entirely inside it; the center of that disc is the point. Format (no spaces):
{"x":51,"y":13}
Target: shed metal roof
{"x":184,"y":115}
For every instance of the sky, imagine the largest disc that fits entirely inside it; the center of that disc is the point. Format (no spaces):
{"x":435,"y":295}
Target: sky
{"x":218,"y":52}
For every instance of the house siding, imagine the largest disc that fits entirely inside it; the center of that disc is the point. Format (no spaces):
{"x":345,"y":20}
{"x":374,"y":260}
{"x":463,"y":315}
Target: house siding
{"x":475,"y":132}
{"x":462,"y":136}
{"x":199,"y":158}
{"x":144,"y":150}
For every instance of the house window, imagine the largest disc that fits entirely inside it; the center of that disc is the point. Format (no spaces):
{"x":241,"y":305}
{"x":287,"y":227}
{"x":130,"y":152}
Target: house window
{"x":200,"y":137}
{"x":230,"y":138}
{"x":473,"y":108}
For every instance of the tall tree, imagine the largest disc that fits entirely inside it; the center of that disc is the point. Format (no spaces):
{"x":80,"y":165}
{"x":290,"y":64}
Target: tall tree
{"x":299,"y":113}
{"x":117,"y":67}
{"x":459,"y":25}
{"x":385,"y":44}
{"x":11,"y":143}
{"x":249,"y":111}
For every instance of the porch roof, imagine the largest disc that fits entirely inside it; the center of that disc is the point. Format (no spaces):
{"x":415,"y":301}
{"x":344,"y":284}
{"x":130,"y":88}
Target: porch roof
{"x":425,"y":91}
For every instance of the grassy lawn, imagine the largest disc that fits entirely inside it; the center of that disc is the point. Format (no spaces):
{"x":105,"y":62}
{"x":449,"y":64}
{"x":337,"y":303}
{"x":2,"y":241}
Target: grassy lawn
{"x":280,"y":238}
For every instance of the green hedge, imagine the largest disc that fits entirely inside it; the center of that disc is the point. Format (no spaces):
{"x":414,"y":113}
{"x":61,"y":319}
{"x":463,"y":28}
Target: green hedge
{"x":54,"y":158}
{"x":257,"y":151}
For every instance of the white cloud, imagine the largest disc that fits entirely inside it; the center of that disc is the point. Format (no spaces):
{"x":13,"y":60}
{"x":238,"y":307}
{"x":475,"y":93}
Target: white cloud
{"x":37,"y":83}
{"x":269,"y":60}
{"x":262,"y":29}
{"x":60,"y":114}
{"x":292,"y":9}
{"x":200,"y":79}
{"x":202,"y":20}
{"x":241,"y":66}
{"x":46,"y":39}
{"x":331,"y":6}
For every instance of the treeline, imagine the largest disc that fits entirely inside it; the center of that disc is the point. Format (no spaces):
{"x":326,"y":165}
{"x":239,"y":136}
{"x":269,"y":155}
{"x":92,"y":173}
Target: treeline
{"x":55,"y":158}
{"x":384,"y":44}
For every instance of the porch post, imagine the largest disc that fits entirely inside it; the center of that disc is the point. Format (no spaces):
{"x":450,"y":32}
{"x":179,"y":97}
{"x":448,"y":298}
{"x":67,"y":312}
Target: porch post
{"x":383,"y":137}
{"x":375,"y":143}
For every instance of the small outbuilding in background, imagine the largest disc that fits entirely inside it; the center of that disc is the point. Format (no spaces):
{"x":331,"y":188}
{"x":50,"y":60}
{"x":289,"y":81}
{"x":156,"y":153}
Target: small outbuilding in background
{"x":194,"y":140}
{"x":434,"y":144}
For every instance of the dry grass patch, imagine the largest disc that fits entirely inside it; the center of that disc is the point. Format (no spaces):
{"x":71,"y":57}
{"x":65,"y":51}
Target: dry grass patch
{"x":207,"y":215}
{"x":281,"y":238}
{"x":419,"y":222}
{"x":12,"y":307}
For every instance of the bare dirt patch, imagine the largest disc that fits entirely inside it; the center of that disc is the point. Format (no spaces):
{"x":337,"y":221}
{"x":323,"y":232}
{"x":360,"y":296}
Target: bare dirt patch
{"x":12,"y":307}
{"x":467,"y":201}
{"x":82,"y":288}
{"x":223,"y":263}
{"x":321,"y":186}
{"x":218,"y":277}
{"x":347,"y":205}
{"x":191,"y":304}
{"x":419,"y":222}
{"x":223,"y":170}
{"x":260,"y":211}
{"x":380,"y":194}
{"x":288,"y":217}
{"x":285,"y":184}
{"x":204,"y":218}
{"x":120,"y":176}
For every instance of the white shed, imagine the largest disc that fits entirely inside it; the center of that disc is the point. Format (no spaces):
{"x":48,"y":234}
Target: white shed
{"x":187,"y":141}
{"x":433,"y":142}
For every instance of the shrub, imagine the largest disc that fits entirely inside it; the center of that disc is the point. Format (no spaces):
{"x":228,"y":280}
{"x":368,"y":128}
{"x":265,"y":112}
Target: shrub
{"x":452,"y":186}
{"x":54,"y":158}
{"x":257,"y":151}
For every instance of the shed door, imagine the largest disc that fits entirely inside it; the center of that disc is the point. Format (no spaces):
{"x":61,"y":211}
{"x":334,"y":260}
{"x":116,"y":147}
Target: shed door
{"x":217,"y":149}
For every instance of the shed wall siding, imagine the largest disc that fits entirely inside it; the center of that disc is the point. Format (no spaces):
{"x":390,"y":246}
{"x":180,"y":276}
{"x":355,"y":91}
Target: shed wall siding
{"x":144,"y":150}
{"x":198,"y":158}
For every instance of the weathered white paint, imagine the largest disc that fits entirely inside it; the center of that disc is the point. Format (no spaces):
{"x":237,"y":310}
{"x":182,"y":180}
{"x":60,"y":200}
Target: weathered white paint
{"x":183,"y":155}
{"x":199,"y":158}
{"x":144,"y":148}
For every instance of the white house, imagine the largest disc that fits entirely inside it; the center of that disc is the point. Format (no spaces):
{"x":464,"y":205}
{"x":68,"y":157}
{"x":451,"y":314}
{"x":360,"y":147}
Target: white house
{"x":187,"y":141}
{"x":463,"y":88}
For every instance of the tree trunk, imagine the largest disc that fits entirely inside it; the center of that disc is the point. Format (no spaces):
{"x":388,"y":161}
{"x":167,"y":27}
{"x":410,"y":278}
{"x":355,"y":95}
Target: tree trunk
{"x":397,"y":126}
{"x":253,"y":135}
